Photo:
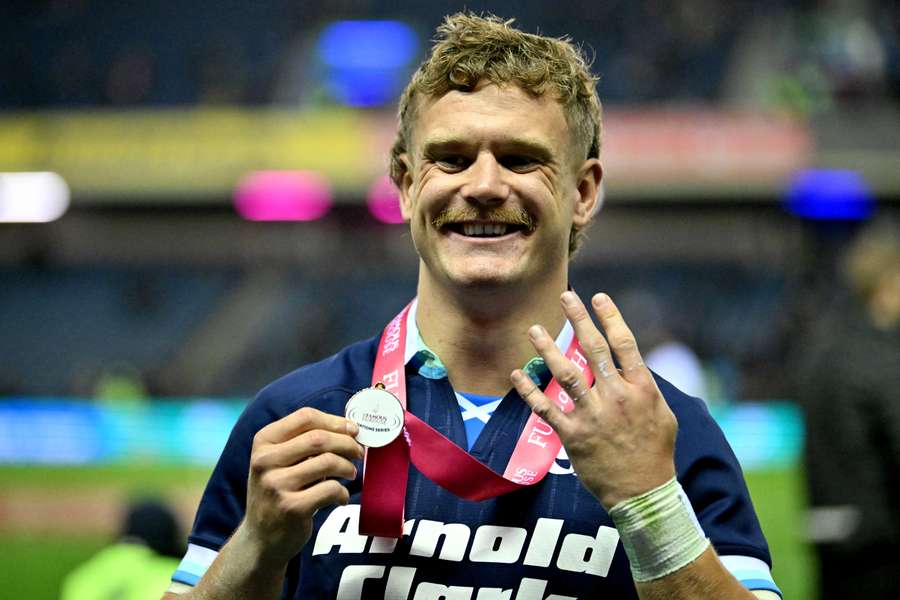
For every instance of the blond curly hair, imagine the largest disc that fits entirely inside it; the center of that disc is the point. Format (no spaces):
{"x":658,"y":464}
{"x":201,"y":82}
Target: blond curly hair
{"x":470,"y":48}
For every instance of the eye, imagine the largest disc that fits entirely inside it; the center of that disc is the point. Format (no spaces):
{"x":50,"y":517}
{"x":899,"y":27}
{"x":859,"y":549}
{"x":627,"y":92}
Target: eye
{"x":519,"y":162}
{"x":452,"y":162}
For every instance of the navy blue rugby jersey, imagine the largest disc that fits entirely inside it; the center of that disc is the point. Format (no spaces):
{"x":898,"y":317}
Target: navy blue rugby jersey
{"x":552,"y":541}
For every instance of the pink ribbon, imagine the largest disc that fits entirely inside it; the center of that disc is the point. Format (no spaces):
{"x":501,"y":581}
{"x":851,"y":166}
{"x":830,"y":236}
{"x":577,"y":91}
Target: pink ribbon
{"x":386,"y":469}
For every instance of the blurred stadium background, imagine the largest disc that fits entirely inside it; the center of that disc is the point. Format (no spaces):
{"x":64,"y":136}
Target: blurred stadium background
{"x":219,"y":216}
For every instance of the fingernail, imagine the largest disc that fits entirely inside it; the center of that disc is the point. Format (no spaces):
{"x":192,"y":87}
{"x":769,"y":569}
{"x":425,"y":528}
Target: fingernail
{"x":535,"y":331}
{"x":352,"y":428}
{"x":569,"y":299}
{"x":517,"y":377}
{"x":601,"y":299}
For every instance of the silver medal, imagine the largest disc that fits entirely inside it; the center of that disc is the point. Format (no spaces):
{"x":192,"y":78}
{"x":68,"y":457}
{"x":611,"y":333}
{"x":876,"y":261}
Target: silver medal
{"x":379,"y":415}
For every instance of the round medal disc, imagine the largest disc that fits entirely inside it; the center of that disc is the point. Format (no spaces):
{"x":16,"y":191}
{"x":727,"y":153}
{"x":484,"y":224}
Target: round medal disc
{"x":378,"y":414}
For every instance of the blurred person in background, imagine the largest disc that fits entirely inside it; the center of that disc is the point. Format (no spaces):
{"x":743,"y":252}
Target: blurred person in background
{"x":497,"y":163}
{"x":138,"y":566}
{"x":120,"y":384}
{"x":850,"y":392}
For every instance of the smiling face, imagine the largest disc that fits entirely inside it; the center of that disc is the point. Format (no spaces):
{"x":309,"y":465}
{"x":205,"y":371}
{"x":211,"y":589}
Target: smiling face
{"x":491,"y":188}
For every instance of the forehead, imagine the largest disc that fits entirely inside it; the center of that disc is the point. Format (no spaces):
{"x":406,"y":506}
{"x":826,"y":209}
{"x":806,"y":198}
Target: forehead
{"x":492,"y":113}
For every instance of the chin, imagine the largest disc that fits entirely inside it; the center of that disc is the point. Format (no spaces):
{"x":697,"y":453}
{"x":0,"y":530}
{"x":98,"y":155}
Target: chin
{"x":485,"y":277}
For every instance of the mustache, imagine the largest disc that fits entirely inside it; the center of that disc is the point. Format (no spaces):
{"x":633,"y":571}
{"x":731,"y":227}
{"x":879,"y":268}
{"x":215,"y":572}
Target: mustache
{"x":511,"y":215}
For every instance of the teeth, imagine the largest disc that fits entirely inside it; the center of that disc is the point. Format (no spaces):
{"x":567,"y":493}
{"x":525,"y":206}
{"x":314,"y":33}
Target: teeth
{"x":484,"y":230}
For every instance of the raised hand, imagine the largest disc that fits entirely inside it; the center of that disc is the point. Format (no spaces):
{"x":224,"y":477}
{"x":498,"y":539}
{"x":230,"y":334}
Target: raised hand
{"x":293,"y":466}
{"x":620,"y":435}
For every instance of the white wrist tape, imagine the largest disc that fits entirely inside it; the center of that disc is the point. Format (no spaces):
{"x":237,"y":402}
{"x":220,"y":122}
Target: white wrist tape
{"x":659,"y":531}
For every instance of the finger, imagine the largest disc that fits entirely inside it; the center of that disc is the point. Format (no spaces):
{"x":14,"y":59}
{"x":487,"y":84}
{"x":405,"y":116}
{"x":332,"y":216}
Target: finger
{"x":303,"y":446}
{"x":620,"y":337}
{"x":537,"y":401}
{"x":589,"y":337}
{"x":309,"y":472}
{"x":318,"y":496}
{"x":304,"y":419}
{"x":564,"y":371}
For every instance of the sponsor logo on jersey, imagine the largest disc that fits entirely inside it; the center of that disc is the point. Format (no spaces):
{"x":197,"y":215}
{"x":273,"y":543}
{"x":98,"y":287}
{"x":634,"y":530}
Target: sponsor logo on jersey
{"x":575,"y":553}
{"x":562,"y":465}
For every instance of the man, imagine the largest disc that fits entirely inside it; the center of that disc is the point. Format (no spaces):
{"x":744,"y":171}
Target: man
{"x":849,"y":386}
{"x":138,"y":565}
{"x":496,"y":160}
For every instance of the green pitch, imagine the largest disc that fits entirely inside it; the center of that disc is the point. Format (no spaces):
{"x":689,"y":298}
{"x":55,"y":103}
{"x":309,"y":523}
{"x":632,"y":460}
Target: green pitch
{"x":780,"y":500}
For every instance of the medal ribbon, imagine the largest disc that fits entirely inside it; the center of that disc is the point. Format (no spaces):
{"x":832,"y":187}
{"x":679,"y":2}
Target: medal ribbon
{"x":386,"y":469}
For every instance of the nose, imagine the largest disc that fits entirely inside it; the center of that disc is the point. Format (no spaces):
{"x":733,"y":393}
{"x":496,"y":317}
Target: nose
{"x":485,"y":183}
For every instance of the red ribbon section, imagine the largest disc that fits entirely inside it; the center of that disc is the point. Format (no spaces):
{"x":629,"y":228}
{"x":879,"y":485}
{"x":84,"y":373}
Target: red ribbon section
{"x":386,"y":469}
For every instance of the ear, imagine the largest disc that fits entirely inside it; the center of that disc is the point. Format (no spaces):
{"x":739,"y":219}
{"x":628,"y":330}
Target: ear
{"x":587,"y":192}
{"x":405,"y":187}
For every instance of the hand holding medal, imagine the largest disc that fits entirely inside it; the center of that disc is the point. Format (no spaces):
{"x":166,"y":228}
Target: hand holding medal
{"x":295,"y":466}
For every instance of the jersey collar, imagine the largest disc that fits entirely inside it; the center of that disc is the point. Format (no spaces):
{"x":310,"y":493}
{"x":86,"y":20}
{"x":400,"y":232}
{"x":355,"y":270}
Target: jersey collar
{"x":431,"y":367}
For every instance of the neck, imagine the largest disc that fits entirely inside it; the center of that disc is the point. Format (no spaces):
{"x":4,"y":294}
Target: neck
{"x":482,"y":336}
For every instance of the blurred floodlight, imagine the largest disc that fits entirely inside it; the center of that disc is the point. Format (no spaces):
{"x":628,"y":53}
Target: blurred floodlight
{"x":365,"y":61}
{"x":383,"y":201}
{"x":829,"y":195}
{"x":32,"y":197}
{"x":367,"y":44}
{"x":283,"y":196}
